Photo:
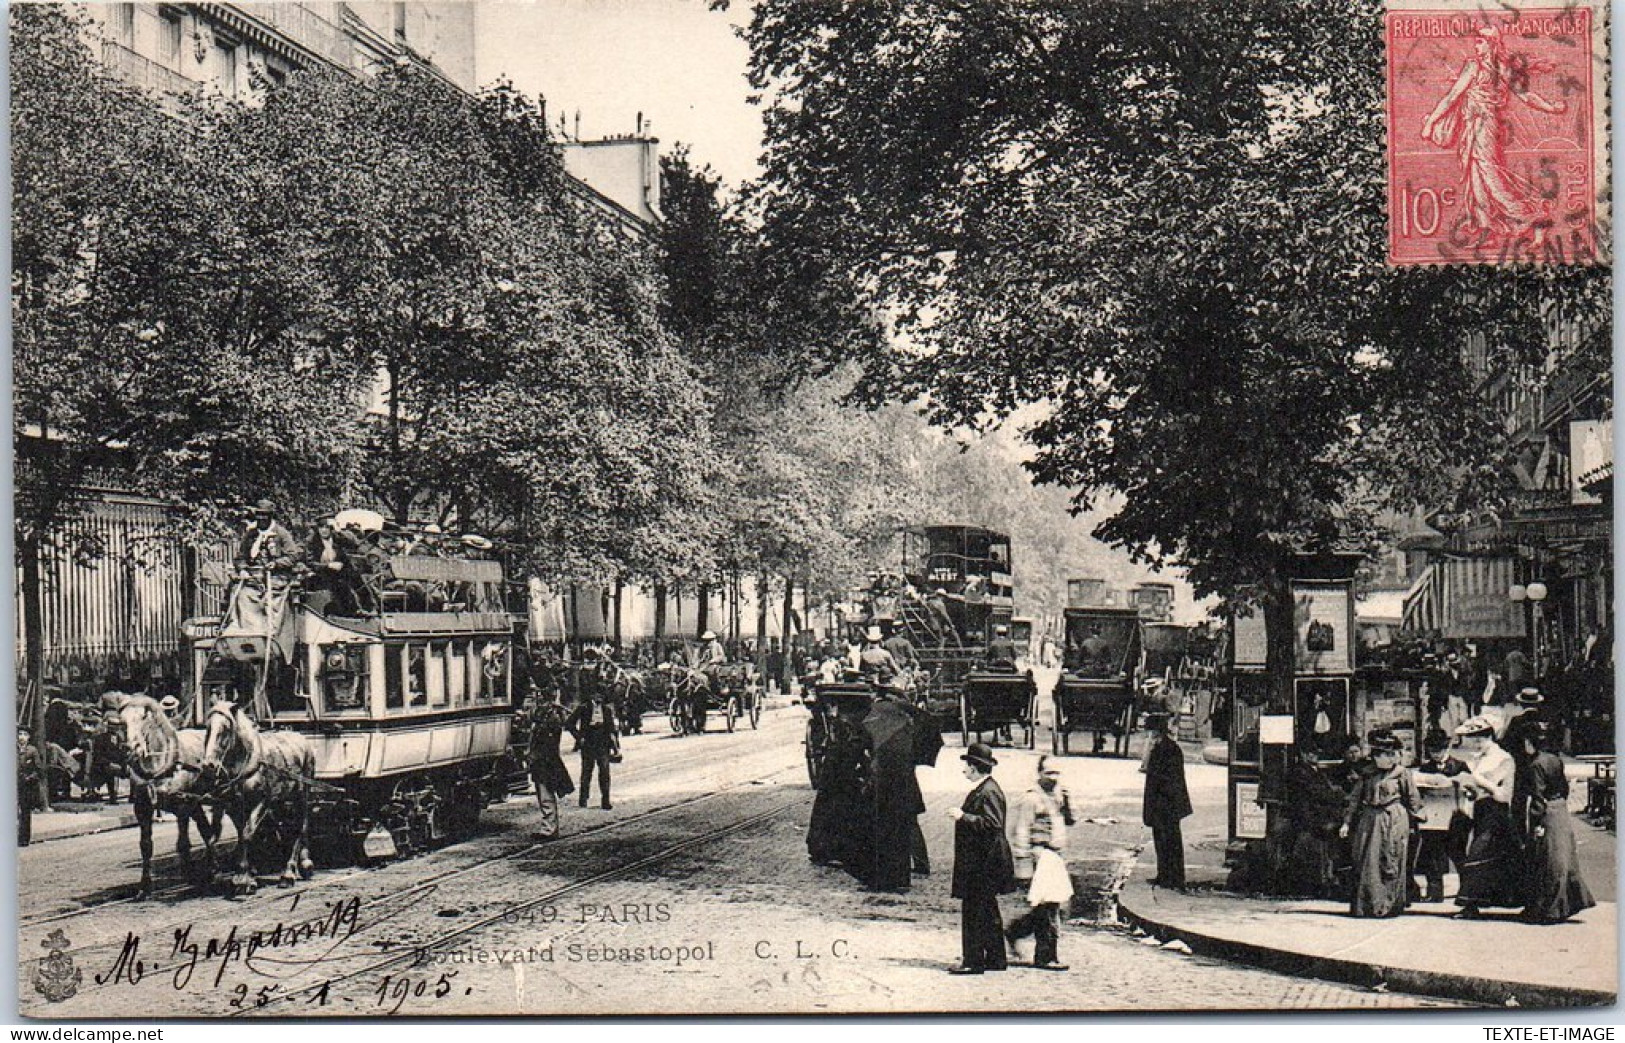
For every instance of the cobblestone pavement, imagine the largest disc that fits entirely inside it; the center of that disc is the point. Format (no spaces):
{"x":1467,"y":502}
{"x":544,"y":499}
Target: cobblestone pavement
{"x":693,"y":895}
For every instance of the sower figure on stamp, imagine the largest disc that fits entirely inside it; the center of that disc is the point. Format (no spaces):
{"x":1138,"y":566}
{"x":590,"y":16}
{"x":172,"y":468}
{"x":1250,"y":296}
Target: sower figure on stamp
{"x":595,"y":729}
{"x":983,"y":867}
{"x":1039,"y":846}
{"x":1167,"y":802}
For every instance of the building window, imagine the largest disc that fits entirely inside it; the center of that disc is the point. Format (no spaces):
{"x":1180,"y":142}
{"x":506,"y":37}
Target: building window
{"x":169,"y":38}
{"x":124,"y":24}
{"x":225,"y":66}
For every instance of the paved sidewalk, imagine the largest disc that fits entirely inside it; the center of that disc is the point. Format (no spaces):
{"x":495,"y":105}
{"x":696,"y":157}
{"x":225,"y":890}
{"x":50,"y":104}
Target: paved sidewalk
{"x":1498,"y":961}
{"x":77,"y":820}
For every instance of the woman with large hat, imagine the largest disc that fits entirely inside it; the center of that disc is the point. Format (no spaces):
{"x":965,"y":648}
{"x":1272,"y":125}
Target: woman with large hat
{"x":1488,"y":869}
{"x":1380,"y":814}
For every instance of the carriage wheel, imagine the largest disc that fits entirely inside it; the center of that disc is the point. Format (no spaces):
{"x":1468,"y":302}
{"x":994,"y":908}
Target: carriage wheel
{"x":964,"y":718}
{"x":732,"y":711}
{"x":675,"y":715}
{"x":756,"y":711}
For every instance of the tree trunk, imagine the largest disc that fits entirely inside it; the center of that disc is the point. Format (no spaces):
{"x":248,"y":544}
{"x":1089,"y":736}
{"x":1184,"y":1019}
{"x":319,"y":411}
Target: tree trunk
{"x":620,"y":589}
{"x":786,"y":622}
{"x":702,"y":611}
{"x":762,"y":594}
{"x":1280,"y":625}
{"x":573,"y":639}
{"x":33,"y":593}
{"x":660,"y":622}
{"x":736,"y":590}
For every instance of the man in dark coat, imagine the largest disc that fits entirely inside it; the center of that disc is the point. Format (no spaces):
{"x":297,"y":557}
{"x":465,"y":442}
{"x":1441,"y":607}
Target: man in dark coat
{"x":593,"y":725}
{"x":1167,"y":802}
{"x":983,"y":865}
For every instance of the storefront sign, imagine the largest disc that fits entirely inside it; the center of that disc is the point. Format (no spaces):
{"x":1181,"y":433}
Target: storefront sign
{"x":1252,"y":818}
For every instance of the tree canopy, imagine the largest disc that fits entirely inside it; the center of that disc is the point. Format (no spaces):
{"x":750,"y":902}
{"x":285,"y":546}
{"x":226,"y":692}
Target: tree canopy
{"x":1167,"y":232}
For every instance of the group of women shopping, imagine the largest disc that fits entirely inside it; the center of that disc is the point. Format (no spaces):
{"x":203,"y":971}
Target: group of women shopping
{"x":1516,"y":847}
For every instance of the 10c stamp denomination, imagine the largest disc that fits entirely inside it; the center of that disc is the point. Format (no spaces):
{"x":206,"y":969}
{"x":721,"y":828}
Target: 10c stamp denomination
{"x":1497,"y":144}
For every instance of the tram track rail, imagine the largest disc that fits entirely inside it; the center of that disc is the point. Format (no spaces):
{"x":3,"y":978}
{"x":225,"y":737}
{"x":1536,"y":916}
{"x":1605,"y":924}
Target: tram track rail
{"x":266,"y":899}
{"x":168,"y":863}
{"x":415,"y":953}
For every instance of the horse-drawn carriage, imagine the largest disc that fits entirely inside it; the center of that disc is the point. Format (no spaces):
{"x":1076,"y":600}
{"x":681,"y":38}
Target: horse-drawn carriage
{"x":1097,"y":689}
{"x":996,"y":700}
{"x":732,"y":691}
{"x":835,"y":728}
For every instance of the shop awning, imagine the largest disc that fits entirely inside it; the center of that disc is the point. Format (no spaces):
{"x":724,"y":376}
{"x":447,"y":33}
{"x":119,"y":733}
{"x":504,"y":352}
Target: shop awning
{"x":1465,"y":598}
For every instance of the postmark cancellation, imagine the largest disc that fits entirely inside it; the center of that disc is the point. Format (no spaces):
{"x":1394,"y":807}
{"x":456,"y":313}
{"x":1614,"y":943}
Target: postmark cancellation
{"x":1497,"y":132}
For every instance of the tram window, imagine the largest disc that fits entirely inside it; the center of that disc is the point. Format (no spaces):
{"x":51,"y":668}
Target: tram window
{"x":456,"y":672}
{"x":394,"y":677}
{"x":417,"y":675}
{"x":437,"y":673}
{"x":476,"y":678}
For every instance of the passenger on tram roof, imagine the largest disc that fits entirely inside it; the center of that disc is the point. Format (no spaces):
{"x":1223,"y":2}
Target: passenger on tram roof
{"x":267,"y":543}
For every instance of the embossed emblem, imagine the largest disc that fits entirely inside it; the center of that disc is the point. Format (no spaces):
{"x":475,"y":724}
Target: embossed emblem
{"x":57,"y":978}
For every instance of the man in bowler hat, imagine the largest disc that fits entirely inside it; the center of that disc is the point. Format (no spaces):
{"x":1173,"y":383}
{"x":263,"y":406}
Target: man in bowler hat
{"x":983,"y":866}
{"x":1167,"y":802}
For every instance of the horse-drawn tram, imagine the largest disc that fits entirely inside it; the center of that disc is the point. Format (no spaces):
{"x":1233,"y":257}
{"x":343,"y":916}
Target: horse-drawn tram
{"x":403,"y":698}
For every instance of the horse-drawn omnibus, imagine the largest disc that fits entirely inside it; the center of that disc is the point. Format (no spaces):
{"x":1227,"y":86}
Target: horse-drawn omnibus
{"x":953,"y":600}
{"x":406,"y":703}
{"x":1098,"y":686}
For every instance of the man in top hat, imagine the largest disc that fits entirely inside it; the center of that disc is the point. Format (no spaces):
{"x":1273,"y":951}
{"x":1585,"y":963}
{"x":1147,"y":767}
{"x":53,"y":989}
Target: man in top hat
{"x":267,"y":543}
{"x":983,"y":865}
{"x":1167,"y":802}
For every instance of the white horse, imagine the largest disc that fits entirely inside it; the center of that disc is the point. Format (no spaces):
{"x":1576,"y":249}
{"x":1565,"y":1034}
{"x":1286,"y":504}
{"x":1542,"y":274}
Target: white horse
{"x":164,"y":766}
{"x":256,"y":775}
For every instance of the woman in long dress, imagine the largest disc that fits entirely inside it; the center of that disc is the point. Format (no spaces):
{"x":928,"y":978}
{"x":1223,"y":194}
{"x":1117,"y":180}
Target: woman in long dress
{"x":1488,"y":871}
{"x":547,"y":768}
{"x":1379,"y":817}
{"x":1554,"y":887}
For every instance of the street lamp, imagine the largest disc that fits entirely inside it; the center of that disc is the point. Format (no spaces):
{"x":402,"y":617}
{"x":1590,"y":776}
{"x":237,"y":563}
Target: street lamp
{"x":1537,"y":594}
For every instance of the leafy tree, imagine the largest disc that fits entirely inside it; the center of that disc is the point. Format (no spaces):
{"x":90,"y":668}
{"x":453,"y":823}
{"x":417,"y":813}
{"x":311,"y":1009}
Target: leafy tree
{"x":527,"y":388}
{"x":158,"y":328}
{"x":1166,"y":230}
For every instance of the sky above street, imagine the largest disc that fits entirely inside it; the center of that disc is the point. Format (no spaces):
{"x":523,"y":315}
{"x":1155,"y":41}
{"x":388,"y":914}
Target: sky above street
{"x":675,"y":61}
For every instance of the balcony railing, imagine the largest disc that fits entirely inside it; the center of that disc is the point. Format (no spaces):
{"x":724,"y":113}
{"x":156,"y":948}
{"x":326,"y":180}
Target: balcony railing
{"x":141,"y":71}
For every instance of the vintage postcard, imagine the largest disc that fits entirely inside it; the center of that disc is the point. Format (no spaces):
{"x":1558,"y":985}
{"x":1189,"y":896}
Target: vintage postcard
{"x":656,"y":507}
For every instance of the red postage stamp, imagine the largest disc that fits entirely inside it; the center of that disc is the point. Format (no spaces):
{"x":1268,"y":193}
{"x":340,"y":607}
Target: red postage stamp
{"x":1497,"y":140}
